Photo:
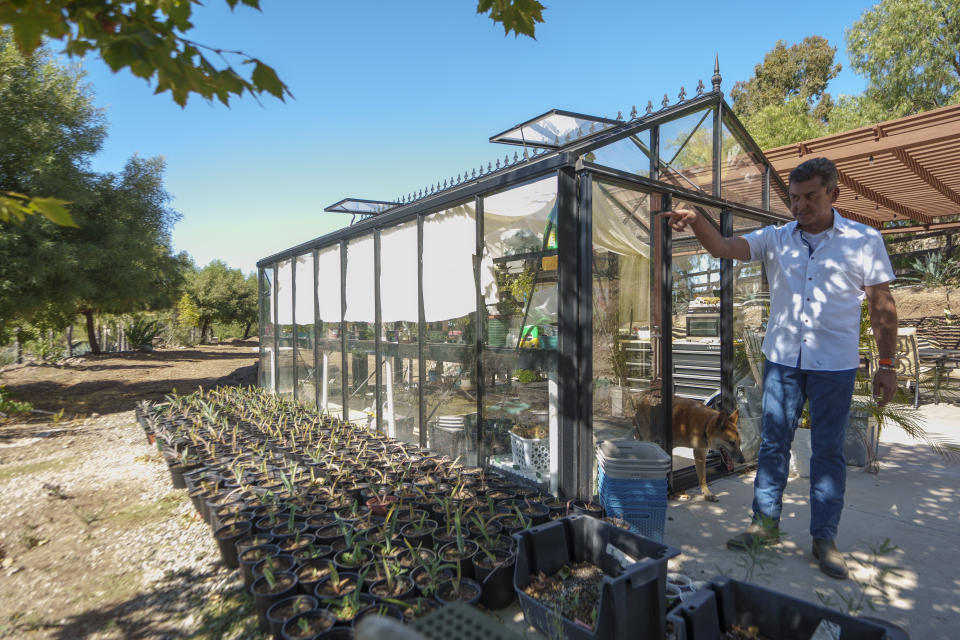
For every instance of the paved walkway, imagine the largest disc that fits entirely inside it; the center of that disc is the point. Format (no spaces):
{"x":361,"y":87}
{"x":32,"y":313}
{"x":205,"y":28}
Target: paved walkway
{"x":914,"y":501}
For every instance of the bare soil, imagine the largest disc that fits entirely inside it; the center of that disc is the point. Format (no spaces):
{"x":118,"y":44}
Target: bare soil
{"x":95,"y":542}
{"x":574,"y":591}
{"x":922,"y":302}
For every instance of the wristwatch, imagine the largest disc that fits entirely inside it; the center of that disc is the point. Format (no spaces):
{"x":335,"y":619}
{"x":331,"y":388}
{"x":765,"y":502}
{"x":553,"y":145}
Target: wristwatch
{"x":887,"y":364}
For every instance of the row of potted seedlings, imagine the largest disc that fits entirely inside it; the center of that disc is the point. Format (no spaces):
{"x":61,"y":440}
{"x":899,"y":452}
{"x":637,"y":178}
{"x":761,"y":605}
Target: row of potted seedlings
{"x":329,"y":522}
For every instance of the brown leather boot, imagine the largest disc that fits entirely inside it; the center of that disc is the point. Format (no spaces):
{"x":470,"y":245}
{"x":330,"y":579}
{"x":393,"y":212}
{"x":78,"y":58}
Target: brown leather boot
{"x":831,"y":560}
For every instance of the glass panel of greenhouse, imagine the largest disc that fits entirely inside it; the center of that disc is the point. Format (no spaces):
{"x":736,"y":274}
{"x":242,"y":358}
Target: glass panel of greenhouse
{"x":358,"y":326}
{"x":303,"y":314}
{"x":400,"y":332}
{"x":514,"y":319}
{"x":267,"y":330}
{"x":328,"y":333}
{"x":285,"y":328}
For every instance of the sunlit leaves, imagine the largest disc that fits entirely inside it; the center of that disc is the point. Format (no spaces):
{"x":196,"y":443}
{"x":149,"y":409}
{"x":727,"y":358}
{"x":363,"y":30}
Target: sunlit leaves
{"x":909,"y":50}
{"x":146,"y":37}
{"x":16,"y":206}
{"x":519,"y":16}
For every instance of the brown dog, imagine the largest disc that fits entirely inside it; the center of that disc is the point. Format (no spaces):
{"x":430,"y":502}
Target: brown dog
{"x":699,"y":427}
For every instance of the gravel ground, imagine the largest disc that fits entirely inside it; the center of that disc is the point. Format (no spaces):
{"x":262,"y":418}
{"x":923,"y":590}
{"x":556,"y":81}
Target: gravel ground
{"x":95,"y":542}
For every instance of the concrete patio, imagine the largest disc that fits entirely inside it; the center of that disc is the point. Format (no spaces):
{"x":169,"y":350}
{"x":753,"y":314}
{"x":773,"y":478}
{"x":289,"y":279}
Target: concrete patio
{"x":914,"y":501}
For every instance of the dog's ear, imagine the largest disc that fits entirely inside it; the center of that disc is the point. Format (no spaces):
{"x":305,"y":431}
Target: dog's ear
{"x":718,"y":423}
{"x":734,"y":417}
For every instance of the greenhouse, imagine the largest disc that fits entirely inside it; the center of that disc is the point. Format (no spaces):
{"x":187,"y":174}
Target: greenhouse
{"x":518,"y":313}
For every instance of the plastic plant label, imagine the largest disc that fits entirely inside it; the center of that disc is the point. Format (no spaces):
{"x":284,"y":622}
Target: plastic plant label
{"x":826,"y":630}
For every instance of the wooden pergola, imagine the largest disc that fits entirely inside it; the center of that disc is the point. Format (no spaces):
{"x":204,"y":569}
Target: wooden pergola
{"x":898,"y":176}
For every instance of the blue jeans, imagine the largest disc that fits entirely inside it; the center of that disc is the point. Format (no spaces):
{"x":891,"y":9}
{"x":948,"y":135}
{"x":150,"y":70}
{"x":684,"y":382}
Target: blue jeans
{"x":784,"y":391}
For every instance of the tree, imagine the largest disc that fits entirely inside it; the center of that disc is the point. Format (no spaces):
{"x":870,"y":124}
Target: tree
{"x":909,"y":50}
{"x":49,"y":130}
{"x":117,"y":260}
{"x":786,"y":99}
{"x":222,"y":294}
{"x":801,"y":71}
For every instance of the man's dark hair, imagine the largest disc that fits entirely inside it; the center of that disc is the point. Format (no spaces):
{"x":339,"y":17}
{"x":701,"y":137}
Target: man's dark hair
{"x":816,"y":167}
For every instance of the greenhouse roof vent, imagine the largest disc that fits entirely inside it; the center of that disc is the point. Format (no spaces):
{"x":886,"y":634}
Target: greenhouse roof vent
{"x":554,"y":129}
{"x":360,"y":207}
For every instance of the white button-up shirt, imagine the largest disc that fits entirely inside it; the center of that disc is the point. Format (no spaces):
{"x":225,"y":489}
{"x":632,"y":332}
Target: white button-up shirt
{"x":815,"y":296}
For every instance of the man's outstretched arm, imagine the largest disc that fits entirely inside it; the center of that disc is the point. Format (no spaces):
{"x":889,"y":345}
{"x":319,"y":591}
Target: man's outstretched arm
{"x":708,"y":235}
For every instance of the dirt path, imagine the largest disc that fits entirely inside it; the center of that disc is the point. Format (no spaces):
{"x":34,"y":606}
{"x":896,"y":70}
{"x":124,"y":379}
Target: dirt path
{"x":94,"y":541}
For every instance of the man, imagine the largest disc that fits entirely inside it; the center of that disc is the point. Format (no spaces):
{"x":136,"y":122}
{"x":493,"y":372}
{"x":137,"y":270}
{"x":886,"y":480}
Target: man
{"x":819,"y":269}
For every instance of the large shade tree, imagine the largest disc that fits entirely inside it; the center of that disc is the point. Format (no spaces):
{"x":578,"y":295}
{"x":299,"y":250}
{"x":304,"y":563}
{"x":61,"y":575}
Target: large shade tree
{"x":909,"y":50}
{"x":222,"y":294}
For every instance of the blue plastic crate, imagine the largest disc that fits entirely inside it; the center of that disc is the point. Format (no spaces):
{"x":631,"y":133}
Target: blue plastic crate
{"x":642,"y":503}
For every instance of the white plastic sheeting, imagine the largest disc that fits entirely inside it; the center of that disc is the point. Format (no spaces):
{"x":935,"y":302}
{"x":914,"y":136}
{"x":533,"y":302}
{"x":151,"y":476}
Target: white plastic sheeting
{"x":303,"y":308}
{"x":449,"y":244}
{"x":328,"y":283}
{"x":284,"y":293}
{"x":398,"y":273}
{"x":360,"y":292}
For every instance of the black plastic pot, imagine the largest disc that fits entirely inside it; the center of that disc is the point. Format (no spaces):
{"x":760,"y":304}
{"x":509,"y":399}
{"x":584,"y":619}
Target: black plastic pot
{"x":322,"y":591}
{"x":449,"y":550}
{"x":264,"y":596}
{"x":249,"y":557}
{"x":406,"y":589}
{"x":421,"y":580}
{"x":497,"y":581}
{"x":178,"y":470}
{"x":365,"y":601}
{"x":317,"y":618}
{"x":290,"y":607}
{"x":278,"y":563}
{"x":469,"y":592}
{"x":421,"y":538}
{"x":418,"y":607}
{"x":251,"y":541}
{"x":591,"y":509}
{"x":311,"y":573}
{"x":227,"y":536}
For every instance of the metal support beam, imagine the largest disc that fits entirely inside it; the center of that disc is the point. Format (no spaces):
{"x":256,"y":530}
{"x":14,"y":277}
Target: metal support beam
{"x":585,"y":457}
{"x":479,"y":329}
{"x":344,"y":366}
{"x":378,"y":330}
{"x":421,"y":337}
{"x":295,"y":347}
{"x":568,"y":364}
{"x":276,"y":331}
{"x":317,"y":368}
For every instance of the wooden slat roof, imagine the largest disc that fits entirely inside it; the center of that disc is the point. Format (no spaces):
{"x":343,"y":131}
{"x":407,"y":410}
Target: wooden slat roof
{"x":903,"y":169}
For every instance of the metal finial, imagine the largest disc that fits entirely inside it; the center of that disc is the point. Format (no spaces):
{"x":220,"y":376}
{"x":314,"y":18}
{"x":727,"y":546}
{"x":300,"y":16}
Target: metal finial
{"x":699,"y":87}
{"x":489,"y":167}
{"x":666,"y":101}
{"x":649,"y":106}
{"x":556,"y":140}
{"x":498,"y":163}
{"x":515,"y":157}
{"x":717,"y":78}
{"x":525,"y":156}
{"x":683,"y":94}
{"x":633,"y":112}
{"x":567,"y":137}
{"x":619,"y":115}
{"x":506,"y":159}
{"x":473,"y":174}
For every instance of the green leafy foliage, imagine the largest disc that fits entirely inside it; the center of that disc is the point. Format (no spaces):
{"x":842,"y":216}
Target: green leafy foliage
{"x":141,"y":332}
{"x":222,"y":294}
{"x":519,"y":16}
{"x":9,"y":406}
{"x":147,"y":38}
{"x":909,"y":50}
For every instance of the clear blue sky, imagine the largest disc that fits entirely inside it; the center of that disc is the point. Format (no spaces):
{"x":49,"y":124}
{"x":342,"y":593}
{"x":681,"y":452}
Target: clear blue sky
{"x":393,"y":96}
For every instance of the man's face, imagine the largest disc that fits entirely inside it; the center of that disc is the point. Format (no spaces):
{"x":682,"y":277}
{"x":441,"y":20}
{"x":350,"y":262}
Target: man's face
{"x":811,"y":204}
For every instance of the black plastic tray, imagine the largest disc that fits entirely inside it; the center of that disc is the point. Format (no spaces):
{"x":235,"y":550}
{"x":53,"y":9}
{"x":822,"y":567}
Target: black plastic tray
{"x":710,"y":612}
{"x":632,"y":604}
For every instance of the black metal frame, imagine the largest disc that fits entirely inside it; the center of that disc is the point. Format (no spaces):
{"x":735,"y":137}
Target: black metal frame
{"x":574,"y":238}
